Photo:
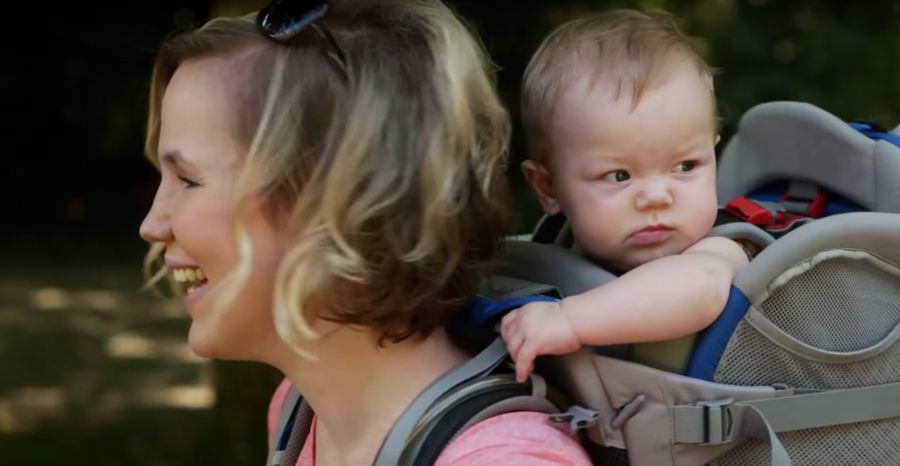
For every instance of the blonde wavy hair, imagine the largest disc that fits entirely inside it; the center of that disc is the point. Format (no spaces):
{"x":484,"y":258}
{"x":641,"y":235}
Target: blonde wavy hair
{"x":393,"y":176}
{"x":627,"y":49}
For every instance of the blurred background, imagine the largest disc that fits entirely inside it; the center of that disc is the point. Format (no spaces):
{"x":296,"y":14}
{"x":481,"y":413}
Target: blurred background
{"x":93,"y":372}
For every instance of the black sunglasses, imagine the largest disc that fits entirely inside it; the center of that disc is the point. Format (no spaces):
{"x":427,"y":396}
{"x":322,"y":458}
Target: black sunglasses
{"x":282,"y":20}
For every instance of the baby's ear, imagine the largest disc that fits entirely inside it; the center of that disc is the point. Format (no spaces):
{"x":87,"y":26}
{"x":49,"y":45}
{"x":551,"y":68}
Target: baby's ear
{"x":718,"y":138}
{"x":539,"y":179}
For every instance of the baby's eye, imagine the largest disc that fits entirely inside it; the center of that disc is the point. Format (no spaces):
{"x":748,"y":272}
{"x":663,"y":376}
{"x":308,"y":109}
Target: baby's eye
{"x":617,"y":176}
{"x":685,"y":166}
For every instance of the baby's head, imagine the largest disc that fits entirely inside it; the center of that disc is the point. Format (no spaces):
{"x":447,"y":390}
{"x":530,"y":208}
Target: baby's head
{"x":620,"y":118}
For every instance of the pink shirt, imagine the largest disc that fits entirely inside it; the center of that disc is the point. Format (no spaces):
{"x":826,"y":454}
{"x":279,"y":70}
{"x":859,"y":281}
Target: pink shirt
{"x":514,"y":439}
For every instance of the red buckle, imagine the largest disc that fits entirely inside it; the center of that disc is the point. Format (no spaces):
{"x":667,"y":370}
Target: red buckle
{"x":749,"y":211}
{"x":816,"y":208}
{"x":784,"y":220}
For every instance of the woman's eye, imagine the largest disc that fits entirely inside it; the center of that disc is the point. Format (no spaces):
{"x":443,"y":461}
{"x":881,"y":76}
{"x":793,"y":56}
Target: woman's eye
{"x":188,"y":183}
{"x":685,"y":166}
{"x":617,"y":176}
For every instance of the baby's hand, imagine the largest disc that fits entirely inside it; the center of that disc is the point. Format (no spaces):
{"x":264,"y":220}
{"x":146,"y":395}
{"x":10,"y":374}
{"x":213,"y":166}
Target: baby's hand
{"x":534,"y":329}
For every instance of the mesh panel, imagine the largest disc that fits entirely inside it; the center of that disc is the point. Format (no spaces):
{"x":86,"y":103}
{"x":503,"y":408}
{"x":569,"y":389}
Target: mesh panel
{"x":865,"y":444}
{"x":839,"y":305}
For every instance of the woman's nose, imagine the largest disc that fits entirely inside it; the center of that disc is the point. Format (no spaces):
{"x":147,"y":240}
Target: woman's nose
{"x":156,"y":227}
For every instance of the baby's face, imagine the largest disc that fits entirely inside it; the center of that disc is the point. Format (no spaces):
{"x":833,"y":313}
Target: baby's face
{"x":636,"y":184}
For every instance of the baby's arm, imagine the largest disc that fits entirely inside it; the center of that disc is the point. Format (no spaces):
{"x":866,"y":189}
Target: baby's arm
{"x":661,"y":300}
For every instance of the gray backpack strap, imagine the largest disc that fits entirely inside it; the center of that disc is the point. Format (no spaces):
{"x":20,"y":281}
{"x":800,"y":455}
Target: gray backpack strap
{"x":477,"y":401}
{"x":394,"y":445}
{"x":452,"y":390}
{"x":284,"y":447}
{"x":721,"y":422}
{"x":745,"y":231}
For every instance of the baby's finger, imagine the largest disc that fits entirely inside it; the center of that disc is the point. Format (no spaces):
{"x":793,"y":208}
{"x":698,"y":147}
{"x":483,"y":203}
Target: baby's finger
{"x":524,"y":363}
{"x":514,"y":346}
{"x":506,"y":322}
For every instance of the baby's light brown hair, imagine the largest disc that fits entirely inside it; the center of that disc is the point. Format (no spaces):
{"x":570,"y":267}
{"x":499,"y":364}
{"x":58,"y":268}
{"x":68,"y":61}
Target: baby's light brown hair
{"x":626,"y":49}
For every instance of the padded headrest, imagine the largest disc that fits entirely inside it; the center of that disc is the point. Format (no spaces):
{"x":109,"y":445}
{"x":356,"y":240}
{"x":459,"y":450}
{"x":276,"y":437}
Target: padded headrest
{"x":551,"y":265}
{"x":795,"y":141}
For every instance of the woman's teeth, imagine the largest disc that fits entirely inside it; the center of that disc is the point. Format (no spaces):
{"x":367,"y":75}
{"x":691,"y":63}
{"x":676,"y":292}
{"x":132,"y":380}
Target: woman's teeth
{"x":192,"y":277}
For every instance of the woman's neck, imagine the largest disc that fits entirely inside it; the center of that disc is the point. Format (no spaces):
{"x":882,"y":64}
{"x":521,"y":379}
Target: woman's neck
{"x":358,"y":389}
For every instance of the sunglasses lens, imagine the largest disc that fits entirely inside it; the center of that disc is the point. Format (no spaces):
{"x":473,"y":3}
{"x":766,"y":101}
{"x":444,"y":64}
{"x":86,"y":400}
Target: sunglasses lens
{"x":282,"y":19}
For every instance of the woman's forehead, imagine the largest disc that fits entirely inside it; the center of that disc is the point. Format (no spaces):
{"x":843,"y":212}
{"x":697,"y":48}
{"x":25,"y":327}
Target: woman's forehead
{"x":197,"y":116}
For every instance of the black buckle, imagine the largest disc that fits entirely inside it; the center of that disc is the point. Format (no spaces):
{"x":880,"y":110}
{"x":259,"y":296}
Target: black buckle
{"x":574,"y":419}
{"x":718,"y":421}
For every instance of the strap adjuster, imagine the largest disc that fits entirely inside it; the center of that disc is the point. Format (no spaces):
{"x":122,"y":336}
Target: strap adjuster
{"x":574,"y":419}
{"x":770,"y":216}
{"x":751,"y":212}
{"x":718,"y":421}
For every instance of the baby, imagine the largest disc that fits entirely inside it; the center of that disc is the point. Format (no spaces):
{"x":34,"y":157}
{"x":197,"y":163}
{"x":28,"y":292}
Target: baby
{"x":620,"y":118}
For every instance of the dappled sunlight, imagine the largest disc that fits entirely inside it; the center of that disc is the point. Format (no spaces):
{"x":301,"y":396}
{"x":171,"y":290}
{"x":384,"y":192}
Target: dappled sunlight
{"x":168,"y":308}
{"x":50,"y":298}
{"x":179,"y":351}
{"x":54,"y":298}
{"x":101,"y":351}
{"x":113,"y":406}
{"x":100,"y":300}
{"x":89,"y":325}
{"x":132,"y":345}
{"x":25,"y":408}
{"x":185,"y":397}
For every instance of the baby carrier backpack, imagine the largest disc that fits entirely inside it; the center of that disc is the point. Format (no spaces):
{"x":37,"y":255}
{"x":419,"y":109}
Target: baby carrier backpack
{"x":801,"y":368}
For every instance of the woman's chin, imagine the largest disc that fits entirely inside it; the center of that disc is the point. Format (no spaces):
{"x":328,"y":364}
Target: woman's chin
{"x":201,"y":342}
{"x":209,"y":344}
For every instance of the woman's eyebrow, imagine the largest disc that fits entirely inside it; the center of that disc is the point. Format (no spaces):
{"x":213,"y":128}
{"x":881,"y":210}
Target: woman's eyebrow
{"x":175,"y":158}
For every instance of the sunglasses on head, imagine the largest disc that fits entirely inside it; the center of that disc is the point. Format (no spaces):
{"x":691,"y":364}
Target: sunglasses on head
{"x":282,"y":20}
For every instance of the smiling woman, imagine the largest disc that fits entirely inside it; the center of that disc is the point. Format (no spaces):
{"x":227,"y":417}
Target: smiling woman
{"x":332,"y":186}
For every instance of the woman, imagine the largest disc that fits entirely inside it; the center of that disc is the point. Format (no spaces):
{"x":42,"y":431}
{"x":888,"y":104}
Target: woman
{"x":332,"y":183}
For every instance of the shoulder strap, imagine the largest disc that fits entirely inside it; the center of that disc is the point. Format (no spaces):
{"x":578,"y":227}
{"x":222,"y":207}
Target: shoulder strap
{"x":876,"y":132}
{"x":548,"y":229}
{"x":725,"y":421}
{"x":464,"y":396}
{"x":291,"y":431}
{"x":468,"y":393}
{"x":500,"y":399}
{"x":394,"y":446}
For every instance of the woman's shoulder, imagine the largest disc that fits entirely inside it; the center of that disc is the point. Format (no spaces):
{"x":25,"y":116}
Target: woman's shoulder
{"x":514,"y":439}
